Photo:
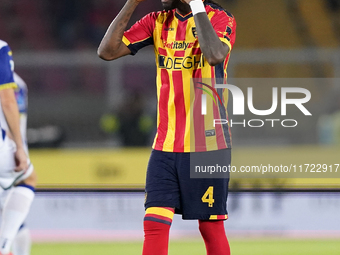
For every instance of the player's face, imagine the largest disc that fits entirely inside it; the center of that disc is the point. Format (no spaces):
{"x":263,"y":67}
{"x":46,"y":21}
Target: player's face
{"x":170,"y":4}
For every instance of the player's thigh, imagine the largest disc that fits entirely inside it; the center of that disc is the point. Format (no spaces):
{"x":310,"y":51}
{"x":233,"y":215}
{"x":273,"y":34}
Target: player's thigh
{"x":204,"y":198}
{"x":7,"y":166}
{"x":29,"y":178}
{"x":162,"y":188}
{"x":8,"y":175}
{"x":7,"y":160}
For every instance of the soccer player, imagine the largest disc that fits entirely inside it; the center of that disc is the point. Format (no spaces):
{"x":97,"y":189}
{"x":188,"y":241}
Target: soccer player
{"x":16,"y":171}
{"x":192,"y":39}
{"x":22,"y":241}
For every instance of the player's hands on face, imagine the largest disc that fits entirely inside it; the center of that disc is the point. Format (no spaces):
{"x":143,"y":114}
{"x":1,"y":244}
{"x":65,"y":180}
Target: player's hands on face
{"x":21,"y":160}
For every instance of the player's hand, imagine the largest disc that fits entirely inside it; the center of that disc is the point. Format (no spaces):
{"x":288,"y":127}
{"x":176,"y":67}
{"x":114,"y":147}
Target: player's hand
{"x":21,"y":160}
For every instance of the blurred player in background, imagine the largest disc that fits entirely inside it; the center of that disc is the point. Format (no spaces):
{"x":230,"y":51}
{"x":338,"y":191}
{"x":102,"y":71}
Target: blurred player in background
{"x":16,"y":171}
{"x":22,"y":241}
{"x":192,"y":39}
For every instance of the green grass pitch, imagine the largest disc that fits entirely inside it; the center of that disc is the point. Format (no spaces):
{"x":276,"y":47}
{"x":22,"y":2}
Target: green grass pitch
{"x":196,"y":247}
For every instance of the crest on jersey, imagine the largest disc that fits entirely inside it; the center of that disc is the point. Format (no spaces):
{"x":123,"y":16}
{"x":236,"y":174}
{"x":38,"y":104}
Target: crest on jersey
{"x":194,"y":32}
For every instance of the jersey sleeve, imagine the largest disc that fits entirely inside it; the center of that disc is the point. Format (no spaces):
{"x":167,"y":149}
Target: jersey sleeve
{"x":225,"y":26}
{"x":6,"y":68}
{"x":140,"y":34}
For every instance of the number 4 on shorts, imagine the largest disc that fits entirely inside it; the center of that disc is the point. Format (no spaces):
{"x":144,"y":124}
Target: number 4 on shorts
{"x":208,"y":196}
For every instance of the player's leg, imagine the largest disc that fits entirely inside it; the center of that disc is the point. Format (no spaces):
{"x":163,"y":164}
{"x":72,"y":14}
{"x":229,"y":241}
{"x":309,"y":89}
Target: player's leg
{"x":205,"y":199}
{"x":162,"y":196}
{"x":157,"y":223}
{"x":214,"y":237}
{"x":15,"y":210}
{"x":22,"y":242}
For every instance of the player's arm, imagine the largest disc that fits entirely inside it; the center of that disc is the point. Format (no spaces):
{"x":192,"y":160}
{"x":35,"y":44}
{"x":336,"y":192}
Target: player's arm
{"x":11,"y":112}
{"x":112,"y":46}
{"x":213,"y":49}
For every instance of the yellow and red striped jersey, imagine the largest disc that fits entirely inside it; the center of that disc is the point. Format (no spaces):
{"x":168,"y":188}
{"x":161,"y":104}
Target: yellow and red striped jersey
{"x":181,"y":126}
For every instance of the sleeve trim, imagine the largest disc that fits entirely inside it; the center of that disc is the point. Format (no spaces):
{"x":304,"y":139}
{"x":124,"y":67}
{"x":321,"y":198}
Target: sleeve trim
{"x":136,"y":46}
{"x":11,"y":85}
{"x":126,"y":41}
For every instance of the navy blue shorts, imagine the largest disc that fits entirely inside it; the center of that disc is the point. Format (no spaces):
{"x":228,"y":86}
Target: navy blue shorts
{"x":168,"y":184}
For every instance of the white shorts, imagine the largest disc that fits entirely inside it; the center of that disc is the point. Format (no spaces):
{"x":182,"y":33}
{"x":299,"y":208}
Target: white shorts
{"x":3,"y":197}
{"x":8,"y":177}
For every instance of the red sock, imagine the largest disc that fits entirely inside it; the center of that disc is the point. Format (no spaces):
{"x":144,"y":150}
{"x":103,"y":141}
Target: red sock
{"x":214,"y":237}
{"x":157,"y":222}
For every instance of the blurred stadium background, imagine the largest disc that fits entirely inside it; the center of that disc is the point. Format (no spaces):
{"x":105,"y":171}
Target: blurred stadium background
{"x":91,"y":124}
